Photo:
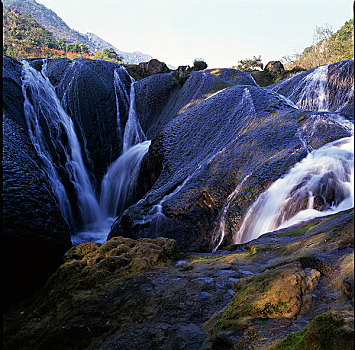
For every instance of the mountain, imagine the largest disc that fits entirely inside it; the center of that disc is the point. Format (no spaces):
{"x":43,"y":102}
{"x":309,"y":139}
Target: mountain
{"x":53,"y":23}
{"x":129,"y":57}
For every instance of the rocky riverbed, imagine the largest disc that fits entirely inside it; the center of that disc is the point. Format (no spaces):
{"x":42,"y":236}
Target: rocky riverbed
{"x":289,"y":289}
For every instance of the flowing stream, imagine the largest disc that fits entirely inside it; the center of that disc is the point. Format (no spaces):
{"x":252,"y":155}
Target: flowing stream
{"x":52,"y":133}
{"x":319,"y":185}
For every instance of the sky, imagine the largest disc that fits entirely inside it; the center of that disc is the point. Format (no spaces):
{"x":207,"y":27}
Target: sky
{"x":222,"y":32}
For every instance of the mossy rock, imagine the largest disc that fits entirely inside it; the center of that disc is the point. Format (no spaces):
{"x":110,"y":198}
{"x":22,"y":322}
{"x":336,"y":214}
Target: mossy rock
{"x":327,"y":331}
{"x":275,"y":293}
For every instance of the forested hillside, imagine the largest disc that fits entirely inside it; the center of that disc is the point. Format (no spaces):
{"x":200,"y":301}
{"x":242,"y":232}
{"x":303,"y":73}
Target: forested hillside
{"x":60,"y":30}
{"x":328,"y":47}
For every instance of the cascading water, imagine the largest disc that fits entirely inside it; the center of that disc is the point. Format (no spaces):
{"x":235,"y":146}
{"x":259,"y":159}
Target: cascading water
{"x":319,"y":185}
{"x":119,"y":183}
{"x":325,"y":88}
{"x":121,"y":92}
{"x":133,"y":132}
{"x":43,"y":110}
{"x":52,"y":132}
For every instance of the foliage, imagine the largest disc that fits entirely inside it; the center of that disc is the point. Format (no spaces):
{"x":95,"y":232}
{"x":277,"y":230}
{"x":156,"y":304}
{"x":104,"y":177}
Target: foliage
{"x":22,"y":34}
{"x":108,"y":55}
{"x":48,"y":19}
{"x":25,"y":38}
{"x":250,"y":64}
{"x":199,"y":64}
{"x":328,"y":47}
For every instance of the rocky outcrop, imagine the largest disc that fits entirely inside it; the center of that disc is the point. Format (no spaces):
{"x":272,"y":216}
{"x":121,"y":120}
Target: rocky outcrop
{"x":274,"y":67}
{"x":159,"y":98}
{"x":35,"y":234}
{"x":153,"y":66}
{"x":287,"y":288}
{"x":241,"y":139}
{"x":334,"y":91}
{"x":232,"y":76}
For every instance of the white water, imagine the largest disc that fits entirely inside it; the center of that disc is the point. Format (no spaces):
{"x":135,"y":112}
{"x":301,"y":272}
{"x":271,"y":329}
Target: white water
{"x":133,"y":132}
{"x":119,"y":91}
{"x":316,"y":92}
{"x":44,"y":105}
{"x":320,"y":185}
{"x":326,"y":175}
{"x":119,"y":183}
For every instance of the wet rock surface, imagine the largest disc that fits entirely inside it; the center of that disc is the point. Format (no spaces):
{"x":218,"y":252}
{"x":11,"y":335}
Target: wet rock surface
{"x":159,"y":98}
{"x":243,"y":136}
{"x":98,"y":109}
{"x":35,"y":233}
{"x":334,"y":92}
{"x":144,"y":294}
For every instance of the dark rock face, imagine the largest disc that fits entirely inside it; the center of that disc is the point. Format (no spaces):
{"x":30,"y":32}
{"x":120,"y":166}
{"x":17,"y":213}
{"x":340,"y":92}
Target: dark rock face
{"x":243,"y":136}
{"x":233,"y":76}
{"x":35,"y":234}
{"x":12,"y":93}
{"x":159,"y":98}
{"x":274,"y":67}
{"x":337,"y":84}
{"x":153,"y":67}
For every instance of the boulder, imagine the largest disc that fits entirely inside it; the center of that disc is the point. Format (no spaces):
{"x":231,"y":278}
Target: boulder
{"x":153,"y":66}
{"x":274,"y":67}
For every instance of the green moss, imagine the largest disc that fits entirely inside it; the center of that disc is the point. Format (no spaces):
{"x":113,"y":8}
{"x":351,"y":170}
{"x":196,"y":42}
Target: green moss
{"x":299,"y":231}
{"x":325,"y":332}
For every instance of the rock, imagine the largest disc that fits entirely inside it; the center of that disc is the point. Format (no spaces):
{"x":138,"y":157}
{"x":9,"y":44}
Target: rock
{"x":153,"y":67}
{"x":232,"y":76}
{"x":159,"y":98}
{"x":274,"y":67}
{"x":330,"y":330}
{"x":242,"y":136}
{"x":181,"y":74}
{"x":35,"y":234}
{"x":274,"y":293}
{"x":339,"y":88}
{"x":284,"y":292}
{"x":87,"y":92}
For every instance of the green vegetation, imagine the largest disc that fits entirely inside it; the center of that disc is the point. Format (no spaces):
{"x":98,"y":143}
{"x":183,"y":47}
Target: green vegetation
{"x":199,"y":64}
{"x":328,"y":47}
{"x":250,"y":64}
{"x":326,"y":331}
{"x":23,"y":35}
{"x":25,"y":38}
{"x":108,"y":55}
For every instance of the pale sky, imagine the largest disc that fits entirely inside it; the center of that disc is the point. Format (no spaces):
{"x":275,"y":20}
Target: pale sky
{"x":222,"y":32}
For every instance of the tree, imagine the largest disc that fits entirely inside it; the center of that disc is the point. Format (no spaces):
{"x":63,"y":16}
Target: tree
{"x":199,"y":64}
{"x":250,"y":64}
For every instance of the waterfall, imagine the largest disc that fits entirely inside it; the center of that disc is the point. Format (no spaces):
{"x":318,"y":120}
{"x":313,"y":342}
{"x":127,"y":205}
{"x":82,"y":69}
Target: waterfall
{"x":50,"y":127}
{"x":133,"y":132}
{"x":325,"y":88}
{"x":119,"y":91}
{"x":321,"y":184}
{"x":314,"y":95}
{"x":119,"y":183}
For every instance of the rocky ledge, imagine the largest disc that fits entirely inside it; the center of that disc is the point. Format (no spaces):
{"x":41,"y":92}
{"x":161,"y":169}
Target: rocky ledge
{"x":289,"y":289}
